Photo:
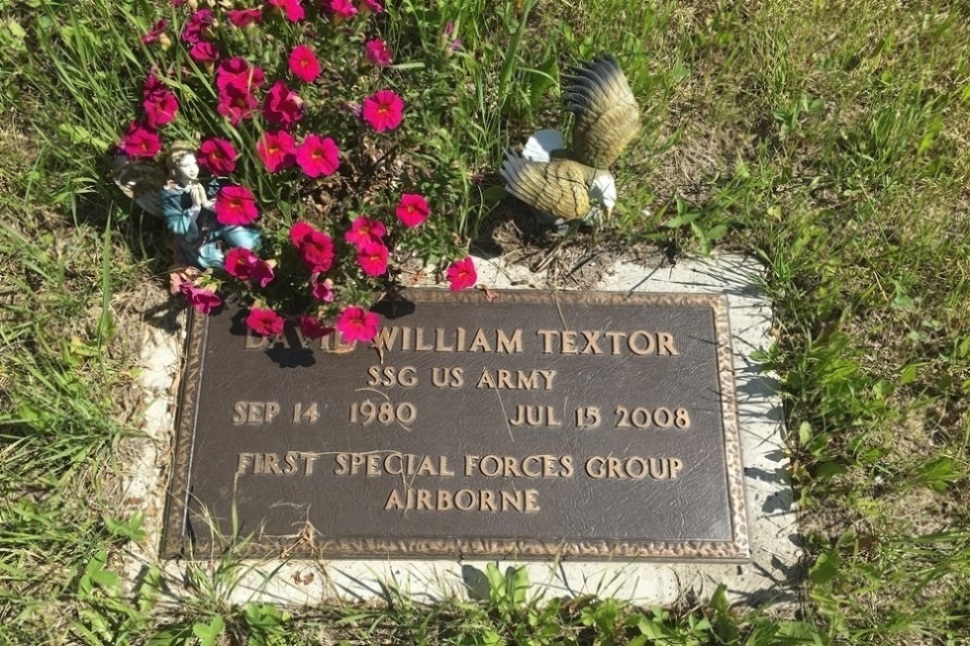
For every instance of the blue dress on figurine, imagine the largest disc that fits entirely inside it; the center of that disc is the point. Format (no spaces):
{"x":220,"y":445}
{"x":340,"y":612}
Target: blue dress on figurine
{"x":189,"y":209}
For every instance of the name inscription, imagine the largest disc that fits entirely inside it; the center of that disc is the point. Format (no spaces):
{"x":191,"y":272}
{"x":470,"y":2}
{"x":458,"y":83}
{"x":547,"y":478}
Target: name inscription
{"x":591,"y":425}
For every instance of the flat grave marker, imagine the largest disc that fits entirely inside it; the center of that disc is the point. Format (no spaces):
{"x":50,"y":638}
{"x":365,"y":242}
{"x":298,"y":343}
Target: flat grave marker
{"x":595,"y":425}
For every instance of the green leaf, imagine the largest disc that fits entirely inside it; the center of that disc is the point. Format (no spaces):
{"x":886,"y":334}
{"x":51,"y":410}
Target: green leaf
{"x":543,"y":78}
{"x":908,"y":375}
{"x":207,"y":633}
{"x":717,"y":232}
{"x":829,"y":469}
{"x":826,"y":567}
{"x":681,"y":220}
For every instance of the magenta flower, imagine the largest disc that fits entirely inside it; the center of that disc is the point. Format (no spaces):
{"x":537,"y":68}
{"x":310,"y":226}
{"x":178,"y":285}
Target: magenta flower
{"x":461,"y":274}
{"x":140,"y":141}
{"x":378,"y":52}
{"x":159,"y":102}
{"x":373,"y":5}
{"x":313,"y":328}
{"x":239,"y":263}
{"x":322,"y":290}
{"x":263,"y":273}
{"x":155,"y":33}
{"x":236,"y":71}
{"x":244,"y":17}
{"x":196,"y":25}
{"x":304,"y":64}
{"x":264,"y":321}
{"x":282,"y":106}
{"x":412,"y":210}
{"x":372,"y":258}
{"x":204,"y":52}
{"x":318,"y":156}
{"x":276,"y":149}
{"x":314,"y":246}
{"x":218,"y":156}
{"x":292,"y":8}
{"x":203,"y":300}
{"x":243,"y":264}
{"x":363,"y":231}
{"x":236,"y":103}
{"x":342,"y":8}
{"x":383,"y":111}
{"x":235,"y":205}
{"x":355,"y":324}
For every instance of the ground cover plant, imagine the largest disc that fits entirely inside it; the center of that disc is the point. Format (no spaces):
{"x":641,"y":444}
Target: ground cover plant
{"x":828,"y":139}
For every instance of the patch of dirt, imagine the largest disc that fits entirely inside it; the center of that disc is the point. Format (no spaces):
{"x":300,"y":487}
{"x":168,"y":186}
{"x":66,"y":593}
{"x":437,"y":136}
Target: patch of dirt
{"x":574,"y":258}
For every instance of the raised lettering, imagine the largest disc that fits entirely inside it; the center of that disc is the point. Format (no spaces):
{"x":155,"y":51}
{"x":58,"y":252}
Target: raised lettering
{"x":480,"y":341}
{"x":508,"y":344}
{"x":665,"y":343}
{"x":547,"y":337}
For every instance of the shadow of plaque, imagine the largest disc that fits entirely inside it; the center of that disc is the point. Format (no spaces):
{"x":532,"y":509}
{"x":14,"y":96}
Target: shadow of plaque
{"x":538,"y":424}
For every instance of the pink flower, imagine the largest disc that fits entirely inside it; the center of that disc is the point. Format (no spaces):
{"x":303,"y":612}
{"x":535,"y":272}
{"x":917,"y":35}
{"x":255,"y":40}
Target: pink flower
{"x":204,"y":52}
{"x":461,"y":274}
{"x":236,"y":103}
{"x":155,"y":32}
{"x":313,"y":328}
{"x":276,"y":149}
{"x":264,"y":321}
{"x":294,"y":12}
{"x":355,"y":324}
{"x":373,"y":5}
{"x":372,"y":258}
{"x":218,"y":156}
{"x":342,"y":8}
{"x":383,"y":111}
{"x":378,"y":52}
{"x":282,"y":106}
{"x":140,"y":141}
{"x":363,"y":230}
{"x":322,"y":290}
{"x":243,"y":264}
{"x":318,"y":156}
{"x":412,"y":210}
{"x":263,"y":273}
{"x":203,"y":300}
{"x":304,"y":64}
{"x":456,"y":43}
{"x":159,"y":102}
{"x":236,"y":71}
{"x":244,"y":17}
{"x":315,"y":247}
{"x":239,"y":263}
{"x":235,"y":205}
{"x":196,"y":25}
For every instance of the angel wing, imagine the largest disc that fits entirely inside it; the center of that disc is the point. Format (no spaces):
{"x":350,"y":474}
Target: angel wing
{"x":559,"y":187}
{"x":607,"y":114}
{"x":140,"y":180}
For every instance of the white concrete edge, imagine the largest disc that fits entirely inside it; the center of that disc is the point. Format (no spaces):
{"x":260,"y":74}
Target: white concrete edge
{"x":772,"y":524}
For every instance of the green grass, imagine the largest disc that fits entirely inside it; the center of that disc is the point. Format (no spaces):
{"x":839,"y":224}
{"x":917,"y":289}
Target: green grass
{"x":828,"y":139}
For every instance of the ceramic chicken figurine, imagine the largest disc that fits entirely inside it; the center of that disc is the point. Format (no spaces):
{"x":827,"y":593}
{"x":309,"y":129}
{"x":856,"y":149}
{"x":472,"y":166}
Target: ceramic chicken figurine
{"x":574,"y":183}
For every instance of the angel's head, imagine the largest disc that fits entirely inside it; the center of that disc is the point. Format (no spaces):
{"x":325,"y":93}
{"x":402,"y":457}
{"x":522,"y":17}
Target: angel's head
{"x":182,"y":164}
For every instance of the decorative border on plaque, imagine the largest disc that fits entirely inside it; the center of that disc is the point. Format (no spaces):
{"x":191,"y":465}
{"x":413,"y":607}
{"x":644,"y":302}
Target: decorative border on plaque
{"x":306,"y":544}
{"x":176,"y":508}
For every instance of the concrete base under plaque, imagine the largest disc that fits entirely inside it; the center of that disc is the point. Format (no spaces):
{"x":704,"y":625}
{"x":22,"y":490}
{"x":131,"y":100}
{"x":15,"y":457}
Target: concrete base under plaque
{"x":769,"y":577}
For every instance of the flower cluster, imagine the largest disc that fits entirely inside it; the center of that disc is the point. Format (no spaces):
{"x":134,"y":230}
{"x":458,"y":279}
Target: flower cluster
{"x":300,"y":147}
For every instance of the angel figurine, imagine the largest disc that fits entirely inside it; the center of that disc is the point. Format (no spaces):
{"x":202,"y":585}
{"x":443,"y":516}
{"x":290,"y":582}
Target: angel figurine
{"x":188,"y":206}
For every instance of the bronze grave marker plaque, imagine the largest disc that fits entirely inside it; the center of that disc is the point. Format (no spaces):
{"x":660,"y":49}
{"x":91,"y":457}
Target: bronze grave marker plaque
{"x":586,"y":425}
